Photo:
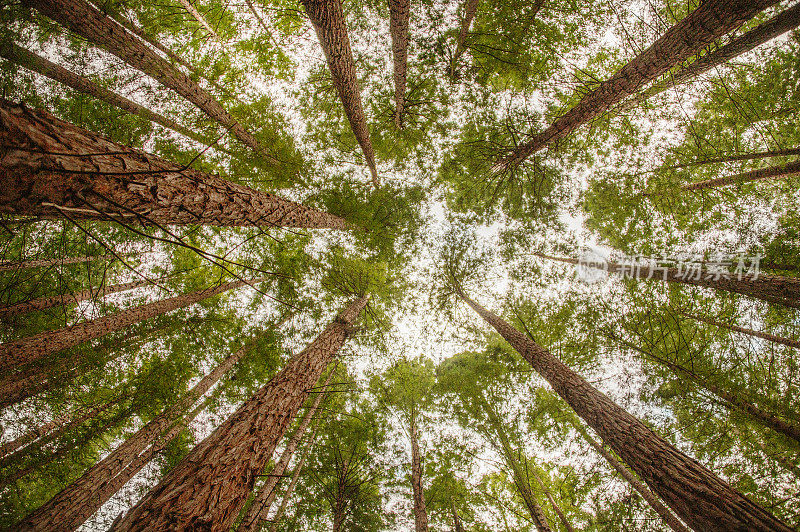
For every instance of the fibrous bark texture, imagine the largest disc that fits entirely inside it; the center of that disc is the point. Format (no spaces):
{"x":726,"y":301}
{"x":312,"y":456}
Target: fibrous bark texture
{"x":329,"y":23}
{"x":700,"y":498}
{"x":399,"y":16}
{"x":44,"y":263}
{"x":43,"y":303}
{"x":207,"y":489}
{"x":51,"y":168}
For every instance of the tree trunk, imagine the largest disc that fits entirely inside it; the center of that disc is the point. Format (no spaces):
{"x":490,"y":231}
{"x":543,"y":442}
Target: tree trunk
{"x":711,"y":20}
{"x":776,"y":26}
{"x":556,"y":508}
{"x":263,"y":500}
{"x":766,"y":336}
{"x":27,"y":350}
{"x":51,"y":168}
{"x":68,"y":509}
{"x":45,"y":263}
{"x":771,"y":172}
{"x":457,"y":526}
{"x":771,"y":288}
{"x":399,"y":15}
{"x":42,"y":66}
{"x":694,"y":493}
{"x":655,"y":503}
{"x":731,"y":400}
{"x":208,"y":488}
{"x":199,"y":18}
{"x":101,"y":30}
{"x":470,"y":9}
{"x":733,"y":158}
{"x":420,"y":509}
{"x":43,"y":303}
{"x":295,"y":477}
{"x":329,"y":23}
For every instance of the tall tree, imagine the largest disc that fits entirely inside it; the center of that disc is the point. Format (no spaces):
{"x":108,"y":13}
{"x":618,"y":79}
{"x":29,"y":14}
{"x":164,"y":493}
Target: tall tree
{"x":750,"y":332}
{"x":209,"y":487}
{"x":771,"y":172}
{"x":45,"y":263}
{"x":82,"y":175}
{"x":399,"y":16}
{"x":295,"y":477}
{"x":331,"y":27}
{"x":90,"y":23}
{"x":709,"y":21}
{"x":16,"y":353}
{"x":470,"y":9}
{"x":695,"y":494}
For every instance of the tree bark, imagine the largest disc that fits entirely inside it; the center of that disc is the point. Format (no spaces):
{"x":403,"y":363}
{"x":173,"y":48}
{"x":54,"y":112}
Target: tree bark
{"x":27,"y":350}
{"x":43,"y":303}
{"x":733,"y":158}
{"x":771,"y":288}
{"x":44,"y":263}
{"x":328,"y":20}
{"x":200,"y":19}
{"x":457,"y":526}
{"x":556,"y":508}
{"x":259,"y":509}
{"x":711,"y":20}
{"x":655,"y":503}
{"x":420,"y":509}
{"x":295,"y":477}
{"x":101,"y":30}
{"x":776,"y":26}
{"x":399,"y":16}
{"x":52,"y":168}
{"x":470,"y":9}
{"x":771,"y":172}
{"x":68,"y":509}
{"x":42,"y":66}
{"x":758,"y":334}
{"x":694,"y":493}
{"x":208,"y":488}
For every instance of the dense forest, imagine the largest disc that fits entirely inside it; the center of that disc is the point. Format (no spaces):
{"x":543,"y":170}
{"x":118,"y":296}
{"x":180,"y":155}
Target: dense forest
{"x":448,"y":265}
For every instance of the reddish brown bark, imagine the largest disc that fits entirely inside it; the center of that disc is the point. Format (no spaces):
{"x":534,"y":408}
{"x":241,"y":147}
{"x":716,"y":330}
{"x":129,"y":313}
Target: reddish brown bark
{"x":711,"y":20}
{"x":26,"y":350}
{"x":695,"y":494}
{"x":38,"y":64}
{"x":553,"y":504}
{"x":655,"y":503}
{"x":68,"y":509}
{"x":91,"y":24}
{"x":470,"y":9}
{"x":295,"y":477}
{"x":733,"y":158}
{"x":43,"y":303}
{"x":420,"y":509}
{"x":201,"y":19}
{"x":776,"y":26}
{"x":399,"y":16}
{"x":43,"y":263}
{"x":750,"y":332}
{"x":51,"y":168}
{"x":328,"y":20}
{"x":771,"y":172}
{"x":208,"y":488}
{"x":259,"y":509}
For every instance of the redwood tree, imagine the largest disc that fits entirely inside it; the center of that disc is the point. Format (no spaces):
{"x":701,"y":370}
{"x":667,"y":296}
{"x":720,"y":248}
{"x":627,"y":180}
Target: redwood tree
{"x":771,"y":172}
{"x":399,"y":16}
{"x":750,"y":332}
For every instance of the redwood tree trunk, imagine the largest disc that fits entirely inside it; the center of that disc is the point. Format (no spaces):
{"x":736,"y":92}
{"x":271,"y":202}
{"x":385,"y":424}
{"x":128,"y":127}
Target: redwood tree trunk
{"x":43,"y":263}
{"x":68,"y":509}
{"x":758,"y":334}
{"x":259,"y":509}
{"x":295,"y":477}
{"x":51,"y":168}
{"x":771,"y":172}
{"x":201,"y":20}
{"x":43,"y":303}
{"x":399,"y":15}
{"x":26,"y":350}
{"x":553,"y":504}
{"x":38,"y":64}
{"x":97,"y":28}
{"x":470,"y":9}
{"x":457,"y":526}
{"x":655,"y":503}
{"x":695,"y":494}
{"x":711,"y":20}
{"x":732,"y":158}
{"x":329,"y":23}
{"x":208,"y":488}
{"x":420,"y":509}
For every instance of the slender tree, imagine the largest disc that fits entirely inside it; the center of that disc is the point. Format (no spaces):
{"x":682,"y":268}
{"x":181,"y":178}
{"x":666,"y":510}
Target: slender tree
{"x":208,"y":488}
{"x":399,"y":16}
{"x":295,"y":477}
{"x":771,"y":172}
{"x":43,"y":303}
{"x":470,"y":9}
{"x":329,"y":23}
{"x":259,"y":509}
{"x":709,"y":21}
{"x":16,"y":353}
{"x":90,"y":23}
{"x":733,"y":158}
{"x":750,"y":332}
{"x":187,"y":5}
{"x":46,"y":263}
{"x":52,"y":168}
{"x":40,"y":65}
{"x":786,"y":20}
{"x":68,"y":509}
{"x":695,"y":494}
